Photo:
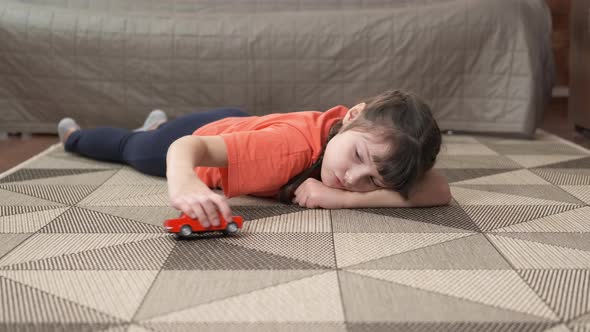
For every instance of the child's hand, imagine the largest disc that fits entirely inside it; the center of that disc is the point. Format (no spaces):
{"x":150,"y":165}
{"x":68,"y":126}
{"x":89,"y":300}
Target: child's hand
{"x":197,"y":201}
{"x":313,"y":193}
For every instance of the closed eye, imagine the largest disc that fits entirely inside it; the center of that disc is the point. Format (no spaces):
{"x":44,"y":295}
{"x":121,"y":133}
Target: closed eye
{"x":374,"y":183}
{"x":358,"y":155}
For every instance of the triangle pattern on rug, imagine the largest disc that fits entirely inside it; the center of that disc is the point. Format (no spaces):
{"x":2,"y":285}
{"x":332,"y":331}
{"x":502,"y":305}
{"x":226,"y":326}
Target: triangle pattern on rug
{"x":167,"y":294}
{"x":541,"y":191}
{"x":536,"y":148}
{"x":574,"y":220}
{"x":358,"y":221}
{"x":492,"y":217}
{"x":29,"y":222}
{"x":558,"y":328}
{"x":161,"y":199}
{"x":355,"y":248}
{"x":520,"y":177}
{"x":312,"y":299}
{"x":65,"y":194}
{"x":10,"y":198}
{"x":10,"y":241}
{"x":40,"y":246}
{"x":467,"y":149}
{"x":128,"y":176}
{"x":497,"y":288}
{"x":566,"y":291}
{"x":253,"y":212}
{"x":458,"y":175}
{"x":26,"y":174}
{"x":532,"y":255}
{"x":475,"y":162}
{"x":117,"y":293}
{"x":578,"y":327}
{"x":129,"y":195}
{"x":584,"y":319}
{"x":135,"y":328}
{"x":478,"y":197}
{"x":60,"y":326}
{"x":307,"y":221}
{"x":96,"y":178}
{"x":253,"y":201}
{"x":580,"y":192}
{"x":368,"y":299}
{"x":9,"y":210}
{"x":80,"y":220}
{"x":42,"y":307}
{"x":151,"y":215}
{"x":314,"y":248}
{"x":577,"y":163}
{"x":580,"y":241}
{"x":463,"y":326}
{"x":564,"y":176}
{"x":212,"y":254}
{"x":250,"y":326}
{"x":146,"y":254}
{"x":448,"y":216}
{"x":541,"y":160}
{"x":466,"y":253}
{"x":69,"y":160}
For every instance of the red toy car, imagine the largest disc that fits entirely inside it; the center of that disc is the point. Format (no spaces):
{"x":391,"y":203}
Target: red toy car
{"x":185,"y":226}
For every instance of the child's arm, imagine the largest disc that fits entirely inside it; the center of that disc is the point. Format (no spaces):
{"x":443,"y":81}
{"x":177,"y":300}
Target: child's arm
{"x":433,"y":190}
{"x":187,"y":192}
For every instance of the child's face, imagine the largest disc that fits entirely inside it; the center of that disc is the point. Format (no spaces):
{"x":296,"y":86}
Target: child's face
{"x":348,"y":161}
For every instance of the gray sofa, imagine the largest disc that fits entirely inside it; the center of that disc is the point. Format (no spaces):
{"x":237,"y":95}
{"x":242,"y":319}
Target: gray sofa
{"x":483,"y":65}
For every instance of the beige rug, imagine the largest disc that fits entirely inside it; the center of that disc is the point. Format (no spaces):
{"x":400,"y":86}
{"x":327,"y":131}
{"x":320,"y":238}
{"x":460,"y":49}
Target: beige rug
{"x":82,"y":249}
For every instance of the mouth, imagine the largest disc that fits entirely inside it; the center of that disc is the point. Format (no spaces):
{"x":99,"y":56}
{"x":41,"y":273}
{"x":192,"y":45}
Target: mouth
{"x":338,"y":183}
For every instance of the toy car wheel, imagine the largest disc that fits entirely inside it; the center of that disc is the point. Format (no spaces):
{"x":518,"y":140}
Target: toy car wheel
{"x":185,"y":230}
{"x":231,"y":228}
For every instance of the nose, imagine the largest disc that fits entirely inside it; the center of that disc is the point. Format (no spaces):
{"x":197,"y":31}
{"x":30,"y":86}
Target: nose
{"x":354,"y":174}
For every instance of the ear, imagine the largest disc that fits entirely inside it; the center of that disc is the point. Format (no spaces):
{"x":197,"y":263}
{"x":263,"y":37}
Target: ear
{"x":353,"y":113}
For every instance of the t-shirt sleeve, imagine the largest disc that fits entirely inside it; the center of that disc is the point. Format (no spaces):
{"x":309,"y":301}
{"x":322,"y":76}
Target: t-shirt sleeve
{"x":261,"y":161}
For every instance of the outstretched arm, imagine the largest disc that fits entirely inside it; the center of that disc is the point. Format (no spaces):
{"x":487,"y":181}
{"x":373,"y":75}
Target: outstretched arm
{"x":433,"y":190}
{"x":187,"y":192}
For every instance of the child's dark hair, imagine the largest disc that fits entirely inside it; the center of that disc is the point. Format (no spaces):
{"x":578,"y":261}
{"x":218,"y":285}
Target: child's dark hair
{"x":401,"y":118}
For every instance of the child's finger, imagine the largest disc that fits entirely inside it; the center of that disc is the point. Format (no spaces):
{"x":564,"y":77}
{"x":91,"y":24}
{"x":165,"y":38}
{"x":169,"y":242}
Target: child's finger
{"x":210,"y":211}
{"x":197,"y":213}
{"x":186,"y":209}
{"x":202,"y":219}
{"x":223,"y":207}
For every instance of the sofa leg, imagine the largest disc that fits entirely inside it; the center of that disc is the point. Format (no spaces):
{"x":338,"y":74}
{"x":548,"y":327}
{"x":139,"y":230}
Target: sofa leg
{"x":4,"y":135}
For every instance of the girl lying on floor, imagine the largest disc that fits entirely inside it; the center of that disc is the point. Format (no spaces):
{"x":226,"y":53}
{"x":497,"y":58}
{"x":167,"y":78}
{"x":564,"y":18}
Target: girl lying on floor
{"x":379,"y":153}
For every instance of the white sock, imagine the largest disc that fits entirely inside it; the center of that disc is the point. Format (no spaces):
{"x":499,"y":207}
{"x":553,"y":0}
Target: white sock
{"x":64,"y":125}
{"x":154,"y":117}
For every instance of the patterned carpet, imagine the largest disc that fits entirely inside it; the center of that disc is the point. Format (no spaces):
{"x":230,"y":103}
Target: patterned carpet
{"x":82,"y":249}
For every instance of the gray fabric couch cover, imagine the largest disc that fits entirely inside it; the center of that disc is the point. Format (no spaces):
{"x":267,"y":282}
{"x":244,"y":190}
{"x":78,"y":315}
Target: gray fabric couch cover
{"x":483,"y":65}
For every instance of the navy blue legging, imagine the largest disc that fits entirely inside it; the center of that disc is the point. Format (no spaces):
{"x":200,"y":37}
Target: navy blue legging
{"x":143,"y":150}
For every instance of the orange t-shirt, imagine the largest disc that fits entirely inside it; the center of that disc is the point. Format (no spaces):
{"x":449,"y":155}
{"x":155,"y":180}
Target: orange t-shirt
{"x":265,"y":152}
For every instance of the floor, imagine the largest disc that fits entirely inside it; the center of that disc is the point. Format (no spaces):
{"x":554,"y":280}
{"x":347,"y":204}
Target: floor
{"x":16,"y":149}
{"x":82,"y":248}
